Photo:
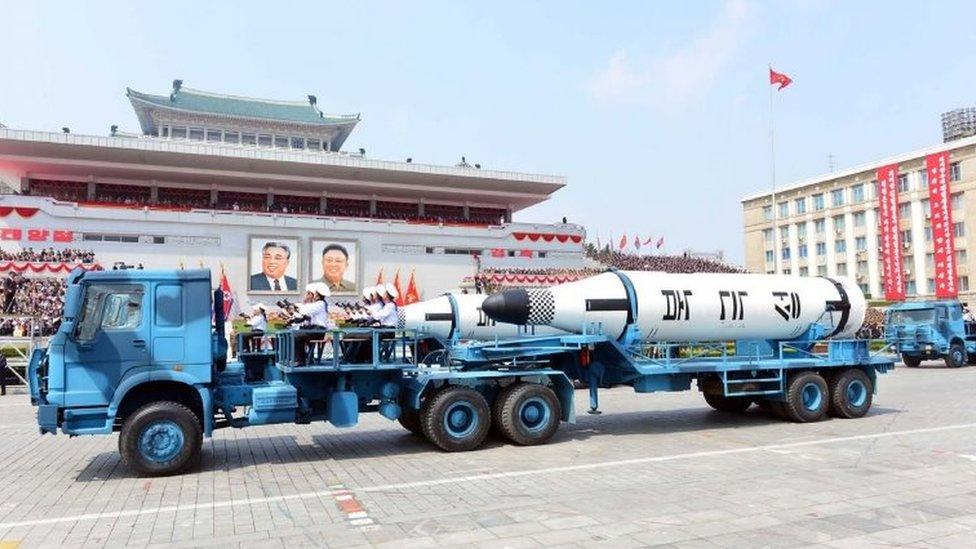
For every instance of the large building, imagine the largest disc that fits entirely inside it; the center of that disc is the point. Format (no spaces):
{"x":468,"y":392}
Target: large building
{"x":225,"y":181}
{"x":828,"y":225}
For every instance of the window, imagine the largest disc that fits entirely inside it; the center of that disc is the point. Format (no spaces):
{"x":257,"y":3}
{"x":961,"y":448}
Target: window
{"x":767,"y":235}
{"x":957,"y":201}
{"x":784,"y":209}
{"x":961,"y":257}
{"x":861,"y":243}
{"x":165,"y":131}
{"x":265,"y":140}
{"x":769,"y":256}
{"x":862,"y":267}
{"x":804,"y":271}
{"x":929,"y":285}
{"x":910,"y":287}
{"x":821,"y":248}
{"x":802,"y":250}
{"x":196,"y":134}
{"x":314,"y":144}
{"x":926,"y":208}
{"x":784,"y":231}
{"x":785,"y":253}
{"x":800,"y":205}
{"x":923,"y":176}
{"x":819,"y":226}
{"x":927,"y":231}
{"x":959,"y":229}
{"x":213,"y":136}
{"x":232,"y":137}
{"x":963,"y":284}
{"x":281,"y":142}
{"x":818,"y":202}
{"x":903,"y":185}
{"x":249,"y":139}
{"x":821,"y":270}
{"x":801,"y":230}
{"x":837,"y":197}
{"x":109,"y":307}
{"x":839,"y":223}
{"x":904,"y":210}
{"x":842,"y":269}
{"x":859,"y":219}
{"x":840,"y":246}
{"x":857,"y":193}
{"x":929,"y":260}
{"x":786,"y":271}
{"x":179,"y":133}
{"x":298,"y":142}
{"x":874,"y":188}
{"x":954,"y":173}
{"x":767,"y":213}
{"x":906,"y":236}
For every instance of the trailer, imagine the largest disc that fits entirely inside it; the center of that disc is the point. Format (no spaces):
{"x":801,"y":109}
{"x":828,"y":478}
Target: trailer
{"x":142,"y":353}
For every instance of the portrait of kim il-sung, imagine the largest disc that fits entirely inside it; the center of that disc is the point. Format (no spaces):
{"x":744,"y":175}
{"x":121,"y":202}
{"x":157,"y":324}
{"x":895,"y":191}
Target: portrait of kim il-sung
{"x":335,"y":262}
{"x":273,"y":264}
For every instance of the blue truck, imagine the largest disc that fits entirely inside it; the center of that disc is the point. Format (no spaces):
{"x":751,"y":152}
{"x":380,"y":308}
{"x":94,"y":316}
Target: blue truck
{"x":143,"y":353}
{"x":926,"y":330}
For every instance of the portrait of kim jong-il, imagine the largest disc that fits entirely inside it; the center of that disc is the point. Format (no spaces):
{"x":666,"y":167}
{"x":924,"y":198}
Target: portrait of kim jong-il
{"x":335,"y":263}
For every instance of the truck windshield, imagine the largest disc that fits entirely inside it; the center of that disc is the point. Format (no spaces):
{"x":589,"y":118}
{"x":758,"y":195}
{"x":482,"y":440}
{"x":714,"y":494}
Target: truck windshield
{"x":918,"y":316}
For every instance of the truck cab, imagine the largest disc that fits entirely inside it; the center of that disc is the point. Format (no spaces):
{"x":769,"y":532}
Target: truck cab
{"x":922,"y":330}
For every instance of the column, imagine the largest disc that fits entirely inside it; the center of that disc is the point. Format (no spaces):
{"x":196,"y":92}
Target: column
{"x":874,"y":274}
{"x":154,"y":193}
{"x":213,"y":196}
{"x":467,"y":211}
{"x":851,"y":253}
{"x":829,"y":238}
{"x":919,"y":248}
{"x":794,"y":244}
{"x":323,"y":204}
{"x":421,"y":208}
{"x":372,"y":205}
{"x":271,"y":198}
{"x":91,"y":190}
{"x":811,"y":248}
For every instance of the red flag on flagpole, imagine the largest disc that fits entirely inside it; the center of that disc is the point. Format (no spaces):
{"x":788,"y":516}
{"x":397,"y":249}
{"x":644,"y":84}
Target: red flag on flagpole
{"x":779,"y":78}
{"x":396,"y":284}
{"x":660,"y":242}
{"x":412,"y":295}
{"x":623,"y":242}
{"x":228,"y":293}
{"x":637,"y":243}
{"x":649,"y":240}
{"x":379,"y":277}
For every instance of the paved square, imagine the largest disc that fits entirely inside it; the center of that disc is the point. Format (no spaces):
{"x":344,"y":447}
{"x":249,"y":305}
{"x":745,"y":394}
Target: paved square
{"x":660,"y":469}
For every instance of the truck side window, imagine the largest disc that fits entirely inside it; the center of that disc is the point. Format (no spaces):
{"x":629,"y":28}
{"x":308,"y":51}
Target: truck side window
{"x":109,"y":307}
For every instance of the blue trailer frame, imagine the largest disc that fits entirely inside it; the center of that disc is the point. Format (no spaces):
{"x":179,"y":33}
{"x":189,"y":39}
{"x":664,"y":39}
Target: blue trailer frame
{"x":448,"y":392}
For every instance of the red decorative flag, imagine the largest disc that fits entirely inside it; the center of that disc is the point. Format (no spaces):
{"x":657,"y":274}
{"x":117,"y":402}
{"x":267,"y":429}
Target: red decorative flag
{"x":943,"y":239}
{"x":396,"y":284}
{"x":379,"y":277}
{"x":412,"y":295}
{"x":623,"y":242}
{"x":228,"y":293}
{"x":779,"y":78}
{"x":660,"y":242}
{"x":649,"y":241}
{"x":894,"y":281}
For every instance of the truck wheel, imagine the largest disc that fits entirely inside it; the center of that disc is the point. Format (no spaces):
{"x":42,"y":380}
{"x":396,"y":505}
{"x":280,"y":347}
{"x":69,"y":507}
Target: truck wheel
{"x":161,"y":438}
{"x":456,"y":419}
{"x":807,"y":398}
{"x":956,"y":356}
{"x":410,"y":420}
{"x":911,"y":361}
{"x":723,"y":403}
{"x":528,"y":414}
{"x":850,"y":393}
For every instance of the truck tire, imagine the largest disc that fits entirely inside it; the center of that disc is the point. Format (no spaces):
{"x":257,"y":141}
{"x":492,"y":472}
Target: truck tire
{"x":496,"y":409}
{"x":161,"y":438}
{"x":807,"y":398}
{"x":911,"y":361}
{"x":456,"y":419}
{"x":851,"y":393}
{"x":528,"y":414}
{"x":410,"y":420}
{"x":722,"y":403}
{"x":956,"y":356}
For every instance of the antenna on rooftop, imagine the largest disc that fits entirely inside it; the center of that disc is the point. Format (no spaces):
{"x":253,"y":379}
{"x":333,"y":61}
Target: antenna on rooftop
{"x":830,"y":161}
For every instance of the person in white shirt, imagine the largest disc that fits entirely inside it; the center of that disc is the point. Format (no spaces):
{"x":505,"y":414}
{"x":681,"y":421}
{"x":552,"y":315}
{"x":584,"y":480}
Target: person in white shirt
{"x":312,"y":314}
{"x":258,"y":323}
{"x":385,"y":313}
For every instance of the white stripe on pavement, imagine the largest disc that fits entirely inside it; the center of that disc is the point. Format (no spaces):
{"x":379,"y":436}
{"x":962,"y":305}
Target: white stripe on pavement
{"x":474,"y":478}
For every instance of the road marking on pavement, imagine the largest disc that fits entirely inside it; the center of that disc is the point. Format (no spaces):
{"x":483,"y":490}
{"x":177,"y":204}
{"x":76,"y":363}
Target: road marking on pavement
{"x":348,"y":504}
{"x":338,"y":489}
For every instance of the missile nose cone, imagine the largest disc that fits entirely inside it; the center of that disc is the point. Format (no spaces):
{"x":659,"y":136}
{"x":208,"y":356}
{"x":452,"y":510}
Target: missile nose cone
{"x":511,"y":306}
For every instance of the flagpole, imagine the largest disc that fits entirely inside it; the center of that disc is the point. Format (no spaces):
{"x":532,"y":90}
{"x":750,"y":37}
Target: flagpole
{"x":772,"y":175}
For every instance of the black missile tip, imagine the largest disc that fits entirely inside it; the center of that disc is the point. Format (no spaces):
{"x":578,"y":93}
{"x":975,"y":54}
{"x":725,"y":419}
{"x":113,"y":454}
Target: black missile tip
{"x":511,"y":306}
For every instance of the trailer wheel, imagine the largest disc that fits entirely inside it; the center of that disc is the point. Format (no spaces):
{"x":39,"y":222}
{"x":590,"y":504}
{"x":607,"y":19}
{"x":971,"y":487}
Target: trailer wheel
{"x":850,"y":394}
{"x":161,"y":438}
{"x":911,"y":361}
{"x":722,"y":403}
{"x":807,"y":398}
{"x":410,"y":420}
{"x":456,"y":419}
{"x":528,"y":414}
{"x":956,"y":356}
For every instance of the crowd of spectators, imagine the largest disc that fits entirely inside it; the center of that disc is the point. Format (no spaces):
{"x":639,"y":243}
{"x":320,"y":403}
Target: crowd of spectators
{"x":53,"y":255}
{"x":684,"y":263}
{"x":28,"y":302}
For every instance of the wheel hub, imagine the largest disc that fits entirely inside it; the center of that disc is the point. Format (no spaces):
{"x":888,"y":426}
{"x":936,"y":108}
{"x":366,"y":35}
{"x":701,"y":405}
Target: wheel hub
{"x":534,"y":414}
{"x":161,"y":441}
{"x":857,"y":393}
{"x":812,"y":397}
{"x":460,"y":419}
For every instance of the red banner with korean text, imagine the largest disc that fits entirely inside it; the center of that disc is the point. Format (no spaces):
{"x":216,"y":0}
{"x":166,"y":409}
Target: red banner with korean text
{"x":891,"y":258}
{"x":943,"y":239}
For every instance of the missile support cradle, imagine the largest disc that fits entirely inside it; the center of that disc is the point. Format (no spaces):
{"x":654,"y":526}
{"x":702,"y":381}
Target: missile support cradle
{"x":447,"y":391}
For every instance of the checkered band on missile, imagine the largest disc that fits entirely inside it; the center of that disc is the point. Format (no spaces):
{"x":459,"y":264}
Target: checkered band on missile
{"x":690,"y":307}
{"x":437,"y":317}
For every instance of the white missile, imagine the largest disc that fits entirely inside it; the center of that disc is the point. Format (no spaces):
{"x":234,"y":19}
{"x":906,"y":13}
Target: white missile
{"x":439,"y":318}
{"x":689,"y":307}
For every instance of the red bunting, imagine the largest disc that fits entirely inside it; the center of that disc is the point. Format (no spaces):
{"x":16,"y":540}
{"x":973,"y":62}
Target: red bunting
{"x":22,"y":211}
{"x":50,"y":267}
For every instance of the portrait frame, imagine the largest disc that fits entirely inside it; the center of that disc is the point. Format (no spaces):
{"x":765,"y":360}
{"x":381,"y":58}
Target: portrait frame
{"x":353,"y":271}
{"x":258,"y":284}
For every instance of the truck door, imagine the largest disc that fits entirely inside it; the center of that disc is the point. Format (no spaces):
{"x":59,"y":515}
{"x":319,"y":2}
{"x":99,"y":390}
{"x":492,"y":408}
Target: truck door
{"x":110,"y":340}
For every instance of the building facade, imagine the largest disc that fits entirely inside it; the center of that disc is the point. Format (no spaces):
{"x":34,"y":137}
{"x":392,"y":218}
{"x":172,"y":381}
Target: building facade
{"x":828,"y":225}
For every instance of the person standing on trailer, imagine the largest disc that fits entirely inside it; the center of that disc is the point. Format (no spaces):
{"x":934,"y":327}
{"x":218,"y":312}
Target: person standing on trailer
{"x":311,"y":315}
{"x":258,"y":322}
